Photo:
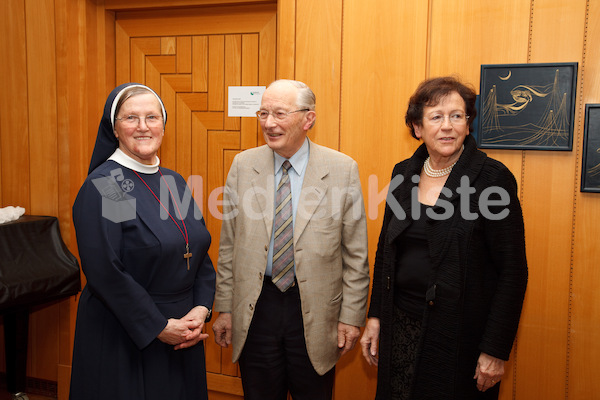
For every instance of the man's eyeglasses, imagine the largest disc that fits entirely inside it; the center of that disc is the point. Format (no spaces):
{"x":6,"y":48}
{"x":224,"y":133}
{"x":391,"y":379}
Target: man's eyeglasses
{"x":134,"y":120}
{"x":278,"y":115}
{"x":456,"y":119}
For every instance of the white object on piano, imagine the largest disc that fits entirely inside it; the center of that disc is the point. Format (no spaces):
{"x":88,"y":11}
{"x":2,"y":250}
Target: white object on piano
{"x":10,"y":213}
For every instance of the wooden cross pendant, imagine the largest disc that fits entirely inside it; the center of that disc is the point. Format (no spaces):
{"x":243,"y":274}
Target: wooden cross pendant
{"x":187,"y":255}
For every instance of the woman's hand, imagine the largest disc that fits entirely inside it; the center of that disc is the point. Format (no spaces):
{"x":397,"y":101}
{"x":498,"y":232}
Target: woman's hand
{"x":370,"y":340}
{"x":186,"y":331}
{"x":175,"y":332}
{"x":488,"y":372}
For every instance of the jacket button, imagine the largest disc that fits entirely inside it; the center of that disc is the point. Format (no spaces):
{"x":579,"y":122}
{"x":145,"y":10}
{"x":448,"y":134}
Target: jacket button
{"x":430,"y":302}
{"x":260,"y":276}
{"x":251,"y":307}
{"x":266,"y":247}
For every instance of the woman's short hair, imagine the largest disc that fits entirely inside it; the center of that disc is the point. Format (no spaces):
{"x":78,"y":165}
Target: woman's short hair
{"x":429,"y":94}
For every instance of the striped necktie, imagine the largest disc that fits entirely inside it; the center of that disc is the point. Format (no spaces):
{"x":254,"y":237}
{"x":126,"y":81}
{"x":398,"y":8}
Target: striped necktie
{"x":283,"y":247}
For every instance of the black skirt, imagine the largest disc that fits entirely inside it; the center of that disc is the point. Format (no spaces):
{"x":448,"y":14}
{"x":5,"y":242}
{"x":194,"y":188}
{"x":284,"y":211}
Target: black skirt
{"x":405,"y":339}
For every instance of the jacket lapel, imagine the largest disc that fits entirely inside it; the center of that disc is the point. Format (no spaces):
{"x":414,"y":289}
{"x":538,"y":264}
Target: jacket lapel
{"x":263,"y":187}
{"x":403,"y":194}
{"x":314,"y":189}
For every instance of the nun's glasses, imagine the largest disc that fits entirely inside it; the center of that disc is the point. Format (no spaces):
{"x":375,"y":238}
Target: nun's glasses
{"x":134,"y":120}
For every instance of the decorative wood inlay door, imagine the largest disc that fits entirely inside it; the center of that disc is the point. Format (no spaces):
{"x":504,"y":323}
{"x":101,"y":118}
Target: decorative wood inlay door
{"x":190,"y":57}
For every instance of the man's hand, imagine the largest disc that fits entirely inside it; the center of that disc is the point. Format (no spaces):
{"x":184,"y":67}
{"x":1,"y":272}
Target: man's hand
{"x":222,"y":329}
{"x":347,"y":337}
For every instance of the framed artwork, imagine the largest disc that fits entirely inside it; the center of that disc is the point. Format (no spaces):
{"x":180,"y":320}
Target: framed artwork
{"x":590,"y":168}
{"x":527,"y":106}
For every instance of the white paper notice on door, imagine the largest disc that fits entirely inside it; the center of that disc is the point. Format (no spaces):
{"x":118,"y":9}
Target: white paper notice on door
{"x":244,"y":101}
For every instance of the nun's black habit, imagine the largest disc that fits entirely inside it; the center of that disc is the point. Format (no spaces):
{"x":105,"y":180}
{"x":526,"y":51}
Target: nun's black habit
{"x":137,"y":278}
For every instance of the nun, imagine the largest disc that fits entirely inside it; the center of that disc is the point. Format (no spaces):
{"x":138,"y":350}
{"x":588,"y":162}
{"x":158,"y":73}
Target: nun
{"x":143,"y":246}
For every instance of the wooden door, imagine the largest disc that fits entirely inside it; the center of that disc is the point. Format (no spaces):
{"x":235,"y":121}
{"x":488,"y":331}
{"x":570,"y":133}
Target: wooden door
{"x":190,"y":56}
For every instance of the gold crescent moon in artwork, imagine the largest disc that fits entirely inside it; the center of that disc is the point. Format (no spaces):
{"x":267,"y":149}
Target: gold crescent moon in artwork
{"x":507,"y":77}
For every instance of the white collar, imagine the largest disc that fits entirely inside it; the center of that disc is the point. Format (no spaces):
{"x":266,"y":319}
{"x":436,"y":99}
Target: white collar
{"x":121,"y":158}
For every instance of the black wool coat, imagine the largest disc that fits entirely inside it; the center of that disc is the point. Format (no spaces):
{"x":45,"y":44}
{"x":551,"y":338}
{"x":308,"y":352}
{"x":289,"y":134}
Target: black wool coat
{"x":479,"y":275}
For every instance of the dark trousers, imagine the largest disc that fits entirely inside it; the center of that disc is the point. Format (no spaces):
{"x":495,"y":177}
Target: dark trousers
{"x":274,"y":359}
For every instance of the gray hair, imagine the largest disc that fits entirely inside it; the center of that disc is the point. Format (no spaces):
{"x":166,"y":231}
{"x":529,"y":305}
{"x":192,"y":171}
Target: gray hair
{"x":305,"y":99}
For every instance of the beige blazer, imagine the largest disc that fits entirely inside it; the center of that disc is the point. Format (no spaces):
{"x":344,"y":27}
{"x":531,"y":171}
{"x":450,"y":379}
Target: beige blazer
{"x":330,"y":247}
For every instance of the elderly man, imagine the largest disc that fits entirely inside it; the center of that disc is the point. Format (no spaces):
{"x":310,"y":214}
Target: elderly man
{"x":293,"y":275}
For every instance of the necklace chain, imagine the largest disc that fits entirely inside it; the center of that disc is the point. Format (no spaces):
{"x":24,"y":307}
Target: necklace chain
{"x":436,"y":173}
{"x":185,"y":235}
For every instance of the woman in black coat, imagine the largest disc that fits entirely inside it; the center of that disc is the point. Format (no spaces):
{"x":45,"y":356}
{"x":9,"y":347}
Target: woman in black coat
{"x":450,"y":270}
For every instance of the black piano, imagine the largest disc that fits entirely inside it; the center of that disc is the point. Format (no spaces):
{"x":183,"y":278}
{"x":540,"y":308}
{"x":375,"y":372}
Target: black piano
{"x":35,"y":268}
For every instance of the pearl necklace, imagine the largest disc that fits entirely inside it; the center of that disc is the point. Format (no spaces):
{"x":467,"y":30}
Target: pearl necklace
{"x":436,"y":173}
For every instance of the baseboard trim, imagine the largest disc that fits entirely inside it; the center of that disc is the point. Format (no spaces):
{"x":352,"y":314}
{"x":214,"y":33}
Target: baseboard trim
{"x":39,"y":386}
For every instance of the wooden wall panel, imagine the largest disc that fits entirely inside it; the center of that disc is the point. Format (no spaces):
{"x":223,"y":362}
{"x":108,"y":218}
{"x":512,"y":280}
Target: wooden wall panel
{"x":583,"y":350}
{"x":71,"y":93}
{"x":183,"y":50}
{"x":549,"y":220}
{"x":216,"y":72}
{"x":200,"y":63}
{"x":42,"y":109}
{"x":122,"y":47}
{"x":41,"y":93}
{"x":144,"y":4}
{"x":233,"y":75}
{"x":168,"y":93}
{"x":250,"y":69}
{"x":286,"y":38}
{"x":318,"y":62}
{"x":467,"y":33}
{"x":183,"y":122}
{"x":210,"y":20}
{"x":14,"y":123}
{"x":266,"y":53}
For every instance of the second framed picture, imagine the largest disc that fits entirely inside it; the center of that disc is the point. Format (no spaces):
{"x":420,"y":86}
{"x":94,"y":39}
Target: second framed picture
{"x":590,"y":170}
{"x":527,"y":106}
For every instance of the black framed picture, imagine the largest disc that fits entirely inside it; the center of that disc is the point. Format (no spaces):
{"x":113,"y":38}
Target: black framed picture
{"x":590,"y":168}
{"x":527,"y":106}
